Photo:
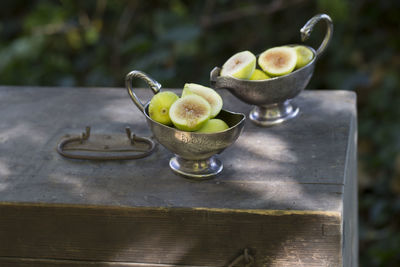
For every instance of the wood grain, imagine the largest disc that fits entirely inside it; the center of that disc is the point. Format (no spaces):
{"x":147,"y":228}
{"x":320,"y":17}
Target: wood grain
{"x":168,"y":236}
{"x":288,"y":193}
{"x":31,"y":262}
{"x":350,"y":203}
{"x":298,"y":165}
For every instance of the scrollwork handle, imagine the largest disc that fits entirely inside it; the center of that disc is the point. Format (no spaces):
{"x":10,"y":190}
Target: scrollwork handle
{"x":153,"y":84}
{"x":308,"y":27}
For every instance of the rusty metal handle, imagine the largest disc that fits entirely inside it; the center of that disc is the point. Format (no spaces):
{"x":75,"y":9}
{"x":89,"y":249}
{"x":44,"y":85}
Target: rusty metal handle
{"x":153,"y":84}
{"x":245,"y":258}
{"x":308,"y":27}
{"x":103,"y":155}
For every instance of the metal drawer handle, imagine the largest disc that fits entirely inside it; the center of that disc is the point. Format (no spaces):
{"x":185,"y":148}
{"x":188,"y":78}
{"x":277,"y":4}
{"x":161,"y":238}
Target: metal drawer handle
{"x":246,"y":258}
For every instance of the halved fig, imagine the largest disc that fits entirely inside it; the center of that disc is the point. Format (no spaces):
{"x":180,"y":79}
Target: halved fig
{"x":190,"y":113}
{"x":212,"y":97}
{"x":241,"y":65}
{"x":278,"y":61}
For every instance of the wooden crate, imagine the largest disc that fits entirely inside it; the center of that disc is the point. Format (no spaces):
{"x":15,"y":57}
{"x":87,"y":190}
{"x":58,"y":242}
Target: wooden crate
{"x":287,"y":193}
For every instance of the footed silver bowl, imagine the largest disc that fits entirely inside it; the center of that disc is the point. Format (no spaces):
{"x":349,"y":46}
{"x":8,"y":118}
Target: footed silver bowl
{"x":195,"y":153}
{"x":272,"y":97}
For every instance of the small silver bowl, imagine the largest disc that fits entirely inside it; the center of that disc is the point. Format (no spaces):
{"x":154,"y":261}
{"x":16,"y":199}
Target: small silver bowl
{"x":194,"y":152}
{"x":272,"y":97}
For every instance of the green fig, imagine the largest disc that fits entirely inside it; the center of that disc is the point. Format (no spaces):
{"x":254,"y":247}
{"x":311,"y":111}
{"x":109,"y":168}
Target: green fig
{"x":259,"y":75}
{"x":213,"y":126}
{"x":159,"y":107}
{"x":304,"y":56}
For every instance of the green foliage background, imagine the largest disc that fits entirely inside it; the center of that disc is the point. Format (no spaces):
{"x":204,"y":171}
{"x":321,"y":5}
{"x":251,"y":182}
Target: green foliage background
{"x":95,"y":43}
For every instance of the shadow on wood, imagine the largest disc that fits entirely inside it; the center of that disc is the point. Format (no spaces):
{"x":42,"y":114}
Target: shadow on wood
{"x":281,"y":194}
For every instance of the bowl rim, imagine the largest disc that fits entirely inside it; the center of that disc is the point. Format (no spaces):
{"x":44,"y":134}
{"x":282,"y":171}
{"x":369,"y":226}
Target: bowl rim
{"x":195,"y":133}
{"x":276,"y":77}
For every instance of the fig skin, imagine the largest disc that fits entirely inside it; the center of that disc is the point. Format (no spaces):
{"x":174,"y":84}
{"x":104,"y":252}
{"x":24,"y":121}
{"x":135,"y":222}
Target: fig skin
{"x":159,"y":107}
{"x":304,"y":56}
{"x":259,"y":75}
{"x":213,"y":126}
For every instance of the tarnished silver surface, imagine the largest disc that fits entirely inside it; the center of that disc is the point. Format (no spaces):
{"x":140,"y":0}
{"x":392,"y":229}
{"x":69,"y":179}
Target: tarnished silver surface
{"x":194,"y":152}
{"x":153,"y":84}
{"x":274,"y":113}
{"x":308,"y":27}
{"x":272,"y":97}
{"x":196,"y":169}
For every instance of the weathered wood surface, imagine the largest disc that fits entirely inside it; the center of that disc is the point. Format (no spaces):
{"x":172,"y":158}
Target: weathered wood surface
{"x":350,"y":202}
{"x":168,"y":236}
{"x":298,"y":165}
{"x":138,"y":211}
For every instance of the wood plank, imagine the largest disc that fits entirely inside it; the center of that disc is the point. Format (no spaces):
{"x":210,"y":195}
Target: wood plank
{"x":298,"y":165}
{"x":169,"y":236}
{"x":350,"y":203}
{"x":32,"y":262}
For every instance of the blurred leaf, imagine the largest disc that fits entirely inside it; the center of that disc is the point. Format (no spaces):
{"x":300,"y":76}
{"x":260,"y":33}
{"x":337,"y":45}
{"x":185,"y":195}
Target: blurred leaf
{"x":23,"y":48}
{"x":43,"y":14}
{"x":182,"y":33}
{"x":74,"y":38}
{"x":337,"y":9}
{"x":91,"y":35}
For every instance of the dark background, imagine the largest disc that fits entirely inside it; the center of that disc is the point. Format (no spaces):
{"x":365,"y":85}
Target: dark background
{"x":95,"y":43}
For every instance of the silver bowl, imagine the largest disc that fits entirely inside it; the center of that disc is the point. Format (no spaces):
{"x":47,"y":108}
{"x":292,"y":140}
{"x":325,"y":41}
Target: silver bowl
{"x":195,"y":153}
{"x":272,"y":97}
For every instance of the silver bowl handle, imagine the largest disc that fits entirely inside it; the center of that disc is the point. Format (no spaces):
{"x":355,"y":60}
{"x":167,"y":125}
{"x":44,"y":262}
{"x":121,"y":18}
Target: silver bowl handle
{"x":308,"y":27}
{"x":153,"y":84}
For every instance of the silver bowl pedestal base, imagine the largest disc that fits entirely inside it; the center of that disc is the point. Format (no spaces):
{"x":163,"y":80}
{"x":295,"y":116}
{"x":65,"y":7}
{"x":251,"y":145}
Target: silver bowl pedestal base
{"x":273,"y":114}
{"x":196,"y":169}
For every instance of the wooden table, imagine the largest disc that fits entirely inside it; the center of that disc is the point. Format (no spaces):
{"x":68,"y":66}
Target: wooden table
{"x":287,"y":193}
